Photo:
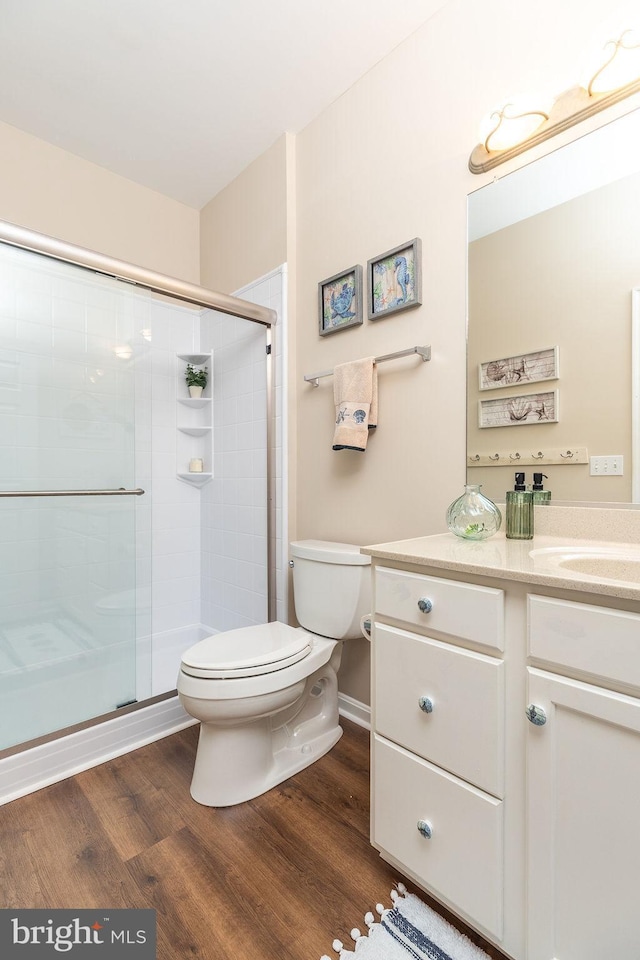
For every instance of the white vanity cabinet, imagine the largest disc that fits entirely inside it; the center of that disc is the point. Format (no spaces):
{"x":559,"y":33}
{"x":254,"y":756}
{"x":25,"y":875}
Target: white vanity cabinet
{"x":438,"y":743}
{"x":506,"y":747}
{"x":583,"y":782}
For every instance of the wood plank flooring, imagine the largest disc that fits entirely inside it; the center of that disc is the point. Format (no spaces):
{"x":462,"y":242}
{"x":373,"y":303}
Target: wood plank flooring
{"x":278,"y":877}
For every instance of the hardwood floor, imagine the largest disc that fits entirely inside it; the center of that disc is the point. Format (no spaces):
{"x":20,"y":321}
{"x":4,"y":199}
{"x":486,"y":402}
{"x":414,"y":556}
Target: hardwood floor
{"x":280,"y":876}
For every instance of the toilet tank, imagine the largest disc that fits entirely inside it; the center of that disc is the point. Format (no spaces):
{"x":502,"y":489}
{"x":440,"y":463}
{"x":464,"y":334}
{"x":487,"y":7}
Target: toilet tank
{"x":331,"y":587}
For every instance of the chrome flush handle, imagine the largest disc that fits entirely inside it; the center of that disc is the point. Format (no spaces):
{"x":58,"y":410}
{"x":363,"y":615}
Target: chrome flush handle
{"x":536,"y":715}
{"x":425,"y":605}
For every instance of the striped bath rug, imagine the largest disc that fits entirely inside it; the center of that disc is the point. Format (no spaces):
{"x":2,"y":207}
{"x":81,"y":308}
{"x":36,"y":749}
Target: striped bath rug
{"x":409,"y":930}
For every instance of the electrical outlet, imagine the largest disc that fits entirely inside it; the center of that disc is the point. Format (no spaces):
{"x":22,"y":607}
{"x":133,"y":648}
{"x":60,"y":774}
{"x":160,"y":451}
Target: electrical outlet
{"x":612,"y":466}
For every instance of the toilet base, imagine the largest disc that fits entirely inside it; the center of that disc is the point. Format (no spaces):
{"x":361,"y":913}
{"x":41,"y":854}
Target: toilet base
{"x":212,"y":791}
{"x":238,"y":761}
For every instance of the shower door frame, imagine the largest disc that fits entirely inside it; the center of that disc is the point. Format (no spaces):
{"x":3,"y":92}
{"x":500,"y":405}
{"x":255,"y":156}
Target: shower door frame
{"x":191,"y":293}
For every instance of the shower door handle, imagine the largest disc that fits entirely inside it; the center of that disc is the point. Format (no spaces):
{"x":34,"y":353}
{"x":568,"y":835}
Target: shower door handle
{"x":120,"y":492}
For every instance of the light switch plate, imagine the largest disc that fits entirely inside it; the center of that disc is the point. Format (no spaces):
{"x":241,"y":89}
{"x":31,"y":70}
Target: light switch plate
{"x":611,"y":466}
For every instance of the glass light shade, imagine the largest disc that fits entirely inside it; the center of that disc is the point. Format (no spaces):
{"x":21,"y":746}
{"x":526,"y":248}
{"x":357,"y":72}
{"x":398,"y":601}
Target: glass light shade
{"x":473,"y":516}
{"x":513,"y":123}
{"x":619,"y":64}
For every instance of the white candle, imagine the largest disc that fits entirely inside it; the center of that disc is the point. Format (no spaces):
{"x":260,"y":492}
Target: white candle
{"x":196,"y":465}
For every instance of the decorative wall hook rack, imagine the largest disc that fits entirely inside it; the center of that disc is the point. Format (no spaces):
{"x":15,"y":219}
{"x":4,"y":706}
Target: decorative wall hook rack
{"x":547,"y":456}
{"x":424,"y":352}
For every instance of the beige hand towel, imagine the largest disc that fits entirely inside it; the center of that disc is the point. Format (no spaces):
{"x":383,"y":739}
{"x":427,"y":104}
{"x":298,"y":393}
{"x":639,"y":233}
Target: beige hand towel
{"x":355,"y":393}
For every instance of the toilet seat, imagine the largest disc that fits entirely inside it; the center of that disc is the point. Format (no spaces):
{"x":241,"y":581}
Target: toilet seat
{"x":247,"y":651}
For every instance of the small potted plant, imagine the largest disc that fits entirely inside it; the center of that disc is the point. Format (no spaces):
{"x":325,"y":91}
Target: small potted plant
{"x":196,"y":378}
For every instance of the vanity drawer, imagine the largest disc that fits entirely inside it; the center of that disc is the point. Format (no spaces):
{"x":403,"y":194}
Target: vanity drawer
{"x":462,"y":862}
{"x":462,"y":610}
{"x":463,"y":732}
{"x":595,"y":640}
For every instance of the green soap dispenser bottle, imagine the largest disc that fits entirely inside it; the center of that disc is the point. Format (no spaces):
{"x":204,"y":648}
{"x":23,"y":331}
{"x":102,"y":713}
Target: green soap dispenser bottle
{"x":540,"y":495}
{"x":519,"y":511}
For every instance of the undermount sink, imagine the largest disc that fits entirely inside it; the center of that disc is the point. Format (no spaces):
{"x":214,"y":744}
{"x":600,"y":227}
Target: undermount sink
{"x":621,"y":564}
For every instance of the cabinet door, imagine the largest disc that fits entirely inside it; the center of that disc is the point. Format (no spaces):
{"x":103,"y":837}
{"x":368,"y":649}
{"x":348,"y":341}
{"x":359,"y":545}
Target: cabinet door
{"x":583,"y":833}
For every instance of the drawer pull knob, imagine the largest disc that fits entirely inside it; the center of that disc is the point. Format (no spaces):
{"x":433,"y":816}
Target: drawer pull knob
{"x":425,"y":829}
{"x":425,"y":704}
{"x":536,"y":715}
{"x":425,"y":605}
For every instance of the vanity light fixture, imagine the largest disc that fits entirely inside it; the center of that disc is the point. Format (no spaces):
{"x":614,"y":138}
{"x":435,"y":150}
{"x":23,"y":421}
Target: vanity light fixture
{"x":512,"y":132}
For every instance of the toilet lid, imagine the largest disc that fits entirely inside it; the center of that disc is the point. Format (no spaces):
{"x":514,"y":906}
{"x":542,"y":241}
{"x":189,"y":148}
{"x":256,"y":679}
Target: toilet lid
{"x":247,"y":652}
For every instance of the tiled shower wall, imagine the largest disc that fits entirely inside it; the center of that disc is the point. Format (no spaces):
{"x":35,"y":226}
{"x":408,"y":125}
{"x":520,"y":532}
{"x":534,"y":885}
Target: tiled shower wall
{"x":271,"y":291}
{"x":175,"y":524}
{"x":209,"y":557}
{"x":234,"y":585}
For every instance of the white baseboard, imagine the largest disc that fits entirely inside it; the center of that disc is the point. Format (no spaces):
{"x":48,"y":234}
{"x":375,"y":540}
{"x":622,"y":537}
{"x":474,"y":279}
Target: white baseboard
{"x":51,"y":762}
{"x":39,"y":767}
{"x":354,"y":710}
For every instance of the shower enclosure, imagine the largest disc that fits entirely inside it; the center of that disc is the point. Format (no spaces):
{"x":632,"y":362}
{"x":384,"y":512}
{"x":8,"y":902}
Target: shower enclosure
{"x":116,"y":554}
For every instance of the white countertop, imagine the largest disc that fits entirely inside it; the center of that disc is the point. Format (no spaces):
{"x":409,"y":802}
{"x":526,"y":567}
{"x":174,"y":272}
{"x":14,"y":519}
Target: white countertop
{"x":510,"y":560}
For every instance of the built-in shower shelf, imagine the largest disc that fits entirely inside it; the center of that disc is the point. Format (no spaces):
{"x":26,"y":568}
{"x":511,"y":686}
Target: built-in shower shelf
{"x":195,"y":431}
{"x":197,"y":479}
{"x":197,"y":359}
{"x":194,"y":423}
{"x":196,"y":403}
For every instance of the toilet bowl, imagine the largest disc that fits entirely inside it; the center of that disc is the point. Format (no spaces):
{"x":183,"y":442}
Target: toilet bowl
{"x":267,"y":695}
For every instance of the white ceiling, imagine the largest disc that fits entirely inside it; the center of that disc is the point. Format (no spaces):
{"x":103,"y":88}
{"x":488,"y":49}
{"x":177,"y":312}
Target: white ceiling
{"x":181,"y":95}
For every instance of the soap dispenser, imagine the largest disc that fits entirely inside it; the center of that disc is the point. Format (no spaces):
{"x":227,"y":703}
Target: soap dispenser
{"x":540,"y":495}
{"x":519,"y":511}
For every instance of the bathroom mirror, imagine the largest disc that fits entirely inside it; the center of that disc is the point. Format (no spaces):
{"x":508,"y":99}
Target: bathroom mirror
{"x":554,"y":295}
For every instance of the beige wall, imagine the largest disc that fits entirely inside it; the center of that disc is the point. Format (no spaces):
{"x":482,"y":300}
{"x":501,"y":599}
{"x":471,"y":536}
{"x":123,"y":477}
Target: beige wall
{"x":562,"y":278}
{"x":385,"y":163}
{"x":54,"y":192}
{"x":243,"y":230}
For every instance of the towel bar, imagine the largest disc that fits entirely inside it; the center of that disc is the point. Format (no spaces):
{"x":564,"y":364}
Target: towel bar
{"x":424,"y":352}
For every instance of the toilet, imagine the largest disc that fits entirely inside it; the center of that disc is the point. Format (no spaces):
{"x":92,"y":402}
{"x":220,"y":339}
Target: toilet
{"x":267,"y":695}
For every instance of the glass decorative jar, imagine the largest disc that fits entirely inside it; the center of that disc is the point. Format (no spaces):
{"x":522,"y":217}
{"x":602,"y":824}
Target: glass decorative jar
{"x":473,"y":516}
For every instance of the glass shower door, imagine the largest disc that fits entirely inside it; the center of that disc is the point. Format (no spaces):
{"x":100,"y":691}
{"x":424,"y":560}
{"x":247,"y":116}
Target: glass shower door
{"x":72,"y":441}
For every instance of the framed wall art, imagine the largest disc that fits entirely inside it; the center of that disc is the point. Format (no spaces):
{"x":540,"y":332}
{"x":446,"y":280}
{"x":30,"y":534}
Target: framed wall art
{"x":340,"y":301}
{"x":523,"y":368}
{"x":394,"y":280}
{"x":519,"y":410}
